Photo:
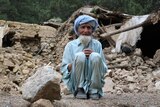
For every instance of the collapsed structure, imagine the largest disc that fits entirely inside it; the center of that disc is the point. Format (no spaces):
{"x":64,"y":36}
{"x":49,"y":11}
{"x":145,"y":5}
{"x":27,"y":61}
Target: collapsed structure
{"x":121,"y":31}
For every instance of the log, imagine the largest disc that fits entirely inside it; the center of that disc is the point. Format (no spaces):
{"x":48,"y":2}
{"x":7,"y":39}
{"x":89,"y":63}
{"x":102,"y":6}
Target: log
{"x":106,"y":35}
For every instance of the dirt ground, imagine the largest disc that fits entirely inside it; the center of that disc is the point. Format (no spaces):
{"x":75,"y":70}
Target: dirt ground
{"x":108,"y":100}
{"x":113,"y":100}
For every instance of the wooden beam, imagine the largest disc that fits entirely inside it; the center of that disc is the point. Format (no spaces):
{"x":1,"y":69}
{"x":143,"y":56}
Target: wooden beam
{"x":106,"y":35}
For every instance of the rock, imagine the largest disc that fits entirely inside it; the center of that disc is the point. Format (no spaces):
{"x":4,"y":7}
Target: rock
{"x":156,"y":73}
{"x":109,"y":85}
{"x":29,"y":64}
{"x":42,"y":103}
{"x":138,"y":60}
{"x":157,"y":85}
{"x":1,"y":57}
{"x":156,"y":57}
{"x":25,"y":71}
{"x":138,"y":52}
{"x":142,"y":67}
{"x":124,"y":63}
{"x":44,"y":84}
{"x":119,"y":92}
{"x":130,"y":79}
{"x":8,"y":62}
{"x":111,"y":57}
{"x":6,"y":85}
{"x":132,"y":87}
{"x":151,"y":63}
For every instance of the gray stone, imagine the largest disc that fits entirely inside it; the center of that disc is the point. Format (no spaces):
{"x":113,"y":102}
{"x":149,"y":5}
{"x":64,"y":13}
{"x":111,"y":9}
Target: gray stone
{"x":109,"y":85}
{"x":157,"y":85}
{"x":45,"y":84}
{"x":156,"y":57}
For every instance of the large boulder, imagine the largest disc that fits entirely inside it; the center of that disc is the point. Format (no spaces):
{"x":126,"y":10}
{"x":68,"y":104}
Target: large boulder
{"x":44,"y":84}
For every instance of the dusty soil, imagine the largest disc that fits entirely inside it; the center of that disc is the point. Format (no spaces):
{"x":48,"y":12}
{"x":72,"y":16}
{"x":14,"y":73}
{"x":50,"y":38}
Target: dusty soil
{"x":113,"y":100}
{"x":108,"y":100}
{"x":7,"y":100}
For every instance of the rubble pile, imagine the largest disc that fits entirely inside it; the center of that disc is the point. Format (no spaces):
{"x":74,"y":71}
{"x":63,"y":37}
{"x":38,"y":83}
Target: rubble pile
{"x":32,"y":46}
{"x":131,"y":73}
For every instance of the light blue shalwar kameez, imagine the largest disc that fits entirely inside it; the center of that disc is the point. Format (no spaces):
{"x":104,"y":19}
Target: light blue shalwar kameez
{"x":87,"y":73}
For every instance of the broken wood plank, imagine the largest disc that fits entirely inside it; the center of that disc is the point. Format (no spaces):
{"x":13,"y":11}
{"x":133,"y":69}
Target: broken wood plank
{"x":106,"y":35}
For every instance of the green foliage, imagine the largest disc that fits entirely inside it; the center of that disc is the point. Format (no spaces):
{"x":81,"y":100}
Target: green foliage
{"x":38,"y":11}
{"x":3,"y":9}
